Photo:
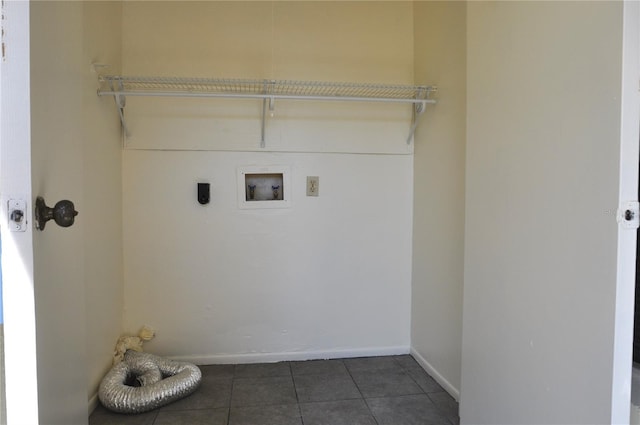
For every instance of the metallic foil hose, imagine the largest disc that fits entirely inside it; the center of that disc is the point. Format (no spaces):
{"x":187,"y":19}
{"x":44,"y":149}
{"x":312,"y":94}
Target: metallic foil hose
{"x":143,"y":382}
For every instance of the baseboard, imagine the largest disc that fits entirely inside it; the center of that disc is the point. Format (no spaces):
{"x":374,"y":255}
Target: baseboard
{"x":93,"y":403}
{"x":453,"y":391}
{"x":291,"y":356}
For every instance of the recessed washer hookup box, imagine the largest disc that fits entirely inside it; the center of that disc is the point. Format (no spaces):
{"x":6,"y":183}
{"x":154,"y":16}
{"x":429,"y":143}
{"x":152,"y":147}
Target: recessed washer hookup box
{"x":264,"y":187}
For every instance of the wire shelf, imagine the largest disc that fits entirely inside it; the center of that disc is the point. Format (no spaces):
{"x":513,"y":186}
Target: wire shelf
{"x":313,"y":90}
{"x":268,"y":90}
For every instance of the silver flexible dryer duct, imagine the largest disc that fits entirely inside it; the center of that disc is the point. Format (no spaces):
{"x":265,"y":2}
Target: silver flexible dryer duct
{"x":161,"y":382}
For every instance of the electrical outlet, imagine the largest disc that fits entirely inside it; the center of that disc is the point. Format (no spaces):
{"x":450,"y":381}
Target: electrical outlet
{"x":313,"y":185}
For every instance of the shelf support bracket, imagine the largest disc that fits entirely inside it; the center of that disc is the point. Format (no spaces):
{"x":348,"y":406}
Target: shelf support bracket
{"x":418,"y":109}
{"x":264,"y":113}
{"x":267,"y":90}
{"x":121,"y":102}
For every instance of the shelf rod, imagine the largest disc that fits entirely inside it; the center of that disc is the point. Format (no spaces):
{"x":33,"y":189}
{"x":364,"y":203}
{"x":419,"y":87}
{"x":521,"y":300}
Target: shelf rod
{"x":261,"y":96}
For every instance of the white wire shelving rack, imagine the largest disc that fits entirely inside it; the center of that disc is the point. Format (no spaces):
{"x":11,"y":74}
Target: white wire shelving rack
{"x":267,"y":90}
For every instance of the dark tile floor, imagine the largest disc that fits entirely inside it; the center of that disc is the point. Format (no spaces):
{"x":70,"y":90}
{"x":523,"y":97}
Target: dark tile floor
{"x":390,"y":390}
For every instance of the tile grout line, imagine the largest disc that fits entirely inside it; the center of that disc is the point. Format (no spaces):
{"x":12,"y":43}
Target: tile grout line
{"x":437,"y":405}
{"x":406,"y":371}
{"x":233,"y":381}
{"x":361,"y":395}
{"x":289,"y":375}
{"x":295,"y":390}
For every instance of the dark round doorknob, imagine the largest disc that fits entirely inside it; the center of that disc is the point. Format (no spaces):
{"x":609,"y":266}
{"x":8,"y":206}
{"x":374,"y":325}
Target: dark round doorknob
{"x":63,"y":213}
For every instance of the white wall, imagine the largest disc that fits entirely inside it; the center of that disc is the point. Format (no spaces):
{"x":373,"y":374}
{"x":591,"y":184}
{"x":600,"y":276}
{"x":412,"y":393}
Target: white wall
{"x":438,"y":193}
{"x":543,"y":140}
{"x":331,"y":275}
{"x":76,"y":156}
{"x":328,"y":276}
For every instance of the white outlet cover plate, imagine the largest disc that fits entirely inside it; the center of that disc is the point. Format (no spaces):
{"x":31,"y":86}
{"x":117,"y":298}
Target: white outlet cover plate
{"x":313,"y":185}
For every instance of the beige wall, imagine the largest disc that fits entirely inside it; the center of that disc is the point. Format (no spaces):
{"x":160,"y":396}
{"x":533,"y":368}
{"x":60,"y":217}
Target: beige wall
{"x":76,"y":156}
{"x":438,"y":193}
{"x":102,"y":186}
{"x":311,"y":41}
{"x":543,"y":139}
{"x":329,"y":276}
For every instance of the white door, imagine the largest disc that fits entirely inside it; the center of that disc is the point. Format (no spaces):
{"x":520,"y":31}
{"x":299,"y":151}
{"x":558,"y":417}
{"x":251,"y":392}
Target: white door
{"x":17,"y":247}
{"x":627,"y":233}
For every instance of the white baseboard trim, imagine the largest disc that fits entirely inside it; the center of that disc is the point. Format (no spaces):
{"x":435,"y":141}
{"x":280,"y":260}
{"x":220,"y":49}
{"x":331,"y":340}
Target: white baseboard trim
{"x":291,"y":356}
{"x":93,"y":403}
{"x":453,"y":391}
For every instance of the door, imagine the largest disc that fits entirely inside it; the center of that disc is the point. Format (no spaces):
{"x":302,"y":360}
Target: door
{"x":552,"y":156}
{"x":17,"y":247}
{"x":42,"y":141}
